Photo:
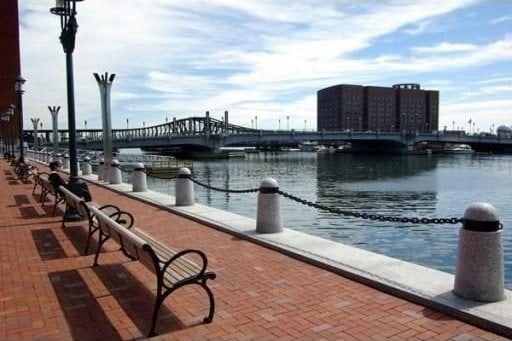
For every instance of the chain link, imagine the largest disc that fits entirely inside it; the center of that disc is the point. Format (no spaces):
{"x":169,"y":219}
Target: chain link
{"x":379,"y":217}
{"x":251,"y":190}
{"x":436,"y":221}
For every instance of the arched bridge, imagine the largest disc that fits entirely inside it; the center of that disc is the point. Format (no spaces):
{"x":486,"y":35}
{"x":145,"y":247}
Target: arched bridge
{"x":205,"y":133}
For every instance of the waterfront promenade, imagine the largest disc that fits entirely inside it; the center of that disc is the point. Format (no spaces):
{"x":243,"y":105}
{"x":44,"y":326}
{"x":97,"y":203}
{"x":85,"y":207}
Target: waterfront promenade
{"x":50,"y":291}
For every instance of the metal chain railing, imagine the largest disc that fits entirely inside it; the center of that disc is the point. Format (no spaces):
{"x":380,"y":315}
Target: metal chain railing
{"x":378,"y":217}
{"x":250,"y":190}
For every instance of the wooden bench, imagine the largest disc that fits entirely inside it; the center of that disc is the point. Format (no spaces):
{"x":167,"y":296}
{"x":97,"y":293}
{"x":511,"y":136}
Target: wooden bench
{"x":77,"y":204}
{"x":171,"y":268}
{"x":48,"y":188}
{"x":24,"y":170}
{"x":38,"y":181}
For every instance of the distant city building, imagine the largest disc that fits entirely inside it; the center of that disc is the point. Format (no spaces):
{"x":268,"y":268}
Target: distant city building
{"x":362,"y":108}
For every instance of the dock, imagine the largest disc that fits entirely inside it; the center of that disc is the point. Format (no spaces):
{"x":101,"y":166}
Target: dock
{"x":50,"y":291}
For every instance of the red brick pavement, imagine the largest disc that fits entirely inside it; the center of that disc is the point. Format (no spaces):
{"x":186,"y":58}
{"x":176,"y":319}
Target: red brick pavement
{"x":49,"y":291}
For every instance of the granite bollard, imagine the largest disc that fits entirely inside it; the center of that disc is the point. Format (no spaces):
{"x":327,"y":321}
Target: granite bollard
{"x":139,"y":180}
{"x":116,"y":177}
{"x":86,"y":166}
{"x":479,"y":274}
{"x":268,"y":217}
{"x":184,"y":188}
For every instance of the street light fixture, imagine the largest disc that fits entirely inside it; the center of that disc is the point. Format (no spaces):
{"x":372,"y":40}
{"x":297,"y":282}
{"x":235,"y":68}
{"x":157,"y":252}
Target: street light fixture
{"x":6,"y":117}
{"x":18,"y":87}
{"x":66,"y":10}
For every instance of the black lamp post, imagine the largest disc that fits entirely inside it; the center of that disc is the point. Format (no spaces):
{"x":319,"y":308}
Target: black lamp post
{"x":18,"y":86}
{"x":10,"y":112}
{"x":66,"y":10}
{"x":6,"y":117}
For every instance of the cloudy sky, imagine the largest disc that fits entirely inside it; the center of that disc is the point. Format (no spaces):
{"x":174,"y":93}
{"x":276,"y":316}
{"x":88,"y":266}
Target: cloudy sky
{"x":267,"y":58}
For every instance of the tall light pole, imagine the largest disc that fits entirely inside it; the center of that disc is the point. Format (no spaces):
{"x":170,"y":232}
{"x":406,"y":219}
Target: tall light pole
{"x":66,"y":10}
{"x":6,"y":117}
{"x":35,"y":123}
{"x":105,"y":84}
{"x":10,"y":112}
{"x":54,"y":111}
{"x":18,"y":87}
{"x":287,"y":122}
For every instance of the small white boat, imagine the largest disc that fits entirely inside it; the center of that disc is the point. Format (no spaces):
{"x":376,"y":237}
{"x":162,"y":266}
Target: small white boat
{"x":458,"y":149}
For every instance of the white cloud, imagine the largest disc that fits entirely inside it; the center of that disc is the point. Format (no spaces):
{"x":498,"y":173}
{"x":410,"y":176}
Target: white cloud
{"x":445,"y":47}
{"x":184,"y":57}
{"x":501,"y":20}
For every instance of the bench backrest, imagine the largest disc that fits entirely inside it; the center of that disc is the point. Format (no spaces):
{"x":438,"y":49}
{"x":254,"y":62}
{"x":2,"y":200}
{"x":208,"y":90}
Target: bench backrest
{"x":38,"y":176}
{"x":48,"y":186}
{"x":74,"y":201}
{"x":132,"y":244}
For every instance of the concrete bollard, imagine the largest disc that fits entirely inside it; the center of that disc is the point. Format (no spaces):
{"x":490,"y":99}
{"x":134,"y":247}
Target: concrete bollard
{"x":101,"y":170}
{"x":268,"y":217}
{"x":116,"y":177}
{"x":86,"y":166}
{"x":65,"y":161}
{"x":479,"y":275}
{"x":139,"y":180}
{"x":184,"y":188}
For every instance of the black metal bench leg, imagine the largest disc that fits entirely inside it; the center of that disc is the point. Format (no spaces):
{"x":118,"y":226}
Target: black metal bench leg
{"x":158,"y":303}
{"x":42,"y":197}
{"x":55,"y":206}
{"x":89,"y":235}
{"x":209,"y":318}
{"x":64,"y":216}
{"x":101,"y":240}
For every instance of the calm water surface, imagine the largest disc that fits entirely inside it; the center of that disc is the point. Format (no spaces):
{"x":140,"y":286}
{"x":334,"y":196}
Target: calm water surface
{"x":395,"y":185}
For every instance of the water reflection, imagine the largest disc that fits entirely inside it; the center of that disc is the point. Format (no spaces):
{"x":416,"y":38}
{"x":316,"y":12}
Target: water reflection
{"x":391,"y":185}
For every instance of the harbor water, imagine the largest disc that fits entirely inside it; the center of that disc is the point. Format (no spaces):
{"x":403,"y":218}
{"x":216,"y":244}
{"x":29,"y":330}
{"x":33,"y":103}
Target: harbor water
{"x":422,"y":186}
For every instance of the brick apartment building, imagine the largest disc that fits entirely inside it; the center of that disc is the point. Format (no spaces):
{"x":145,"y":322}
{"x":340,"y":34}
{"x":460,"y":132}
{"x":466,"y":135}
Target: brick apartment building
{"x":9,"y":65}
{"x":362,"y":108}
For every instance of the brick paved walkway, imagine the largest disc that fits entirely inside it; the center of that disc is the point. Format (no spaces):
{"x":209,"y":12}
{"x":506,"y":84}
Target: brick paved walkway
{"x":48,"y":289}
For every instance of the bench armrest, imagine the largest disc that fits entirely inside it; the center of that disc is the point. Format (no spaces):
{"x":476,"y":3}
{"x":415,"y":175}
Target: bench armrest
{"x":202,"y":267}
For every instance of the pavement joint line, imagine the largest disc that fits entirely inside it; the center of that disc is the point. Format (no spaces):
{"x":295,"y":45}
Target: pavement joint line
{"x":390,"y":275}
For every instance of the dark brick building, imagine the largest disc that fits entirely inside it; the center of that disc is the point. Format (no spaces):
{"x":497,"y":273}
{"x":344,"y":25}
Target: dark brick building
{"x":9,"y":64}
{"x":362,"y":108}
